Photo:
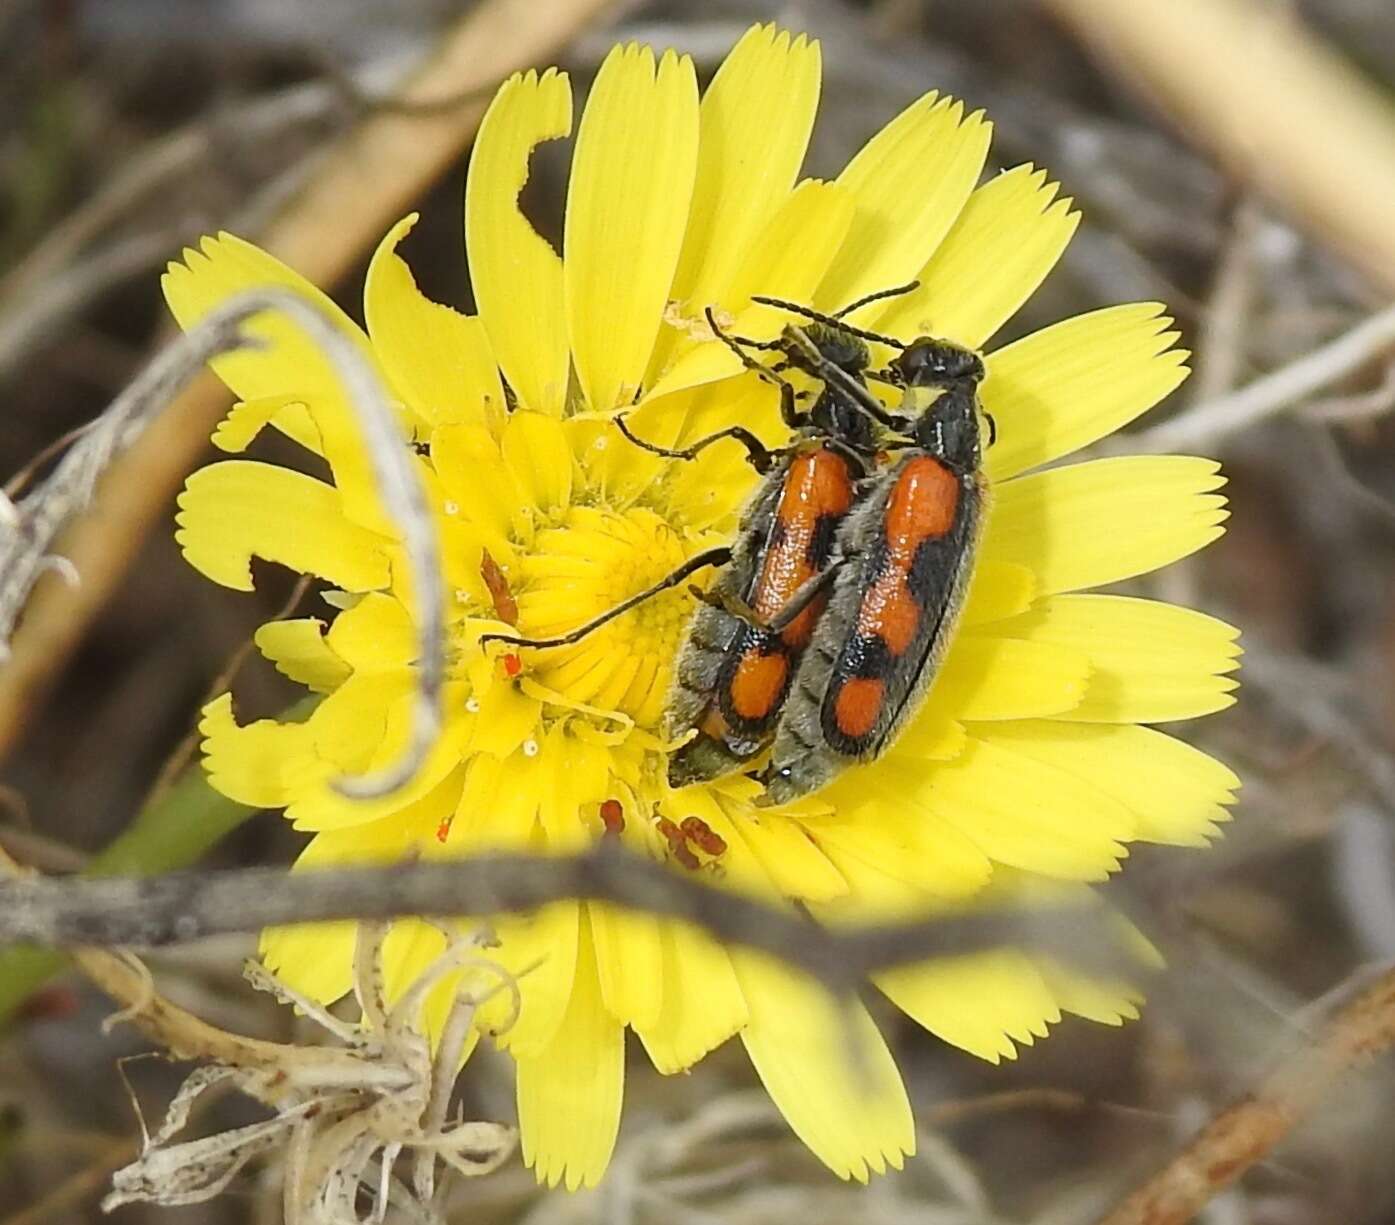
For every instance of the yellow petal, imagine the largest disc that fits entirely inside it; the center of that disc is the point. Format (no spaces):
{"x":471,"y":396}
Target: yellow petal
{"x":1150,"y":662}
{"x":1108,"y":1000}
{"x":1177,"y":793}
{"x":627,"y":206}
{"x":227,"y":265}
{"x":541,"y":949}
{"x":429,"y":799}
{"x":247,"y":418}
{"x":298,"y":649}
{"x":1025,"y":814}
{"x":905,"y":842}
{"x":409,"y":948}
{"x":1105,"y":520}
{"x":932,"y":736}
{"x":827,"y":1069}
{"x":911,"y":181}
{"x":540,"y":457}
{"x":438,"y":361}
{"x":375,"y":635}
{"x":788,"y":259}
{"x":364,"y":726}
{"x":351,"y":722}
{"x":997,"y":590}
{"x":579,"y":774}
{"x":499,"y":806}
{"x":792,"y":255}
{"x":796,"y":865}
{"x":984,"y":1003}
{"x":507,"y":717}
{"x":702,"y":1001}
{"x":991,"y":1002}
{"x":315,"y":960}
{"x":1059,"y":389}
{"x":233,"y":511}
{"x":292,"y":365}
{"x":629,"y":960}
{"x":1102,"y":1002}
{"x":482,"y":486}
{"x":250,"y":764}
{"x":1006,"y":240}
{"x":754,"y":127}
{"x":516,"y":275}
{"x":569,"y":1095}
{"x":990,"y":677}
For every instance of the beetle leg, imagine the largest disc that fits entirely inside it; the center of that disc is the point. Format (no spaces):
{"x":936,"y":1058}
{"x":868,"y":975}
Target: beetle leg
{"x":758,"y":455}
{"x":710,"y":557}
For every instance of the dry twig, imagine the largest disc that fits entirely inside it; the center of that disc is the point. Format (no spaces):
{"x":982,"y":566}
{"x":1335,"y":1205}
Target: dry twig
{"x":148,"y":912}
{"x":1252,"y":1127}
{"x":1214,"y":420}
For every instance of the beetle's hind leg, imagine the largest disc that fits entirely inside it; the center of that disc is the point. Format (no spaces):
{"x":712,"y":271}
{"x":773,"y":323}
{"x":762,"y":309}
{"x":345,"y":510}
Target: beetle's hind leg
{"x":709,"y":557}
{"x":804,"y":595}
{"x":758,"y":455}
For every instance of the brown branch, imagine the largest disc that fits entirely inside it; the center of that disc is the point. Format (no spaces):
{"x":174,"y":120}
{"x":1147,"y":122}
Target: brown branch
{"x":1252,"y":1127}
{"x":1267,"y":98}
{"x":363,"y":183}
{"x":178,"y":907}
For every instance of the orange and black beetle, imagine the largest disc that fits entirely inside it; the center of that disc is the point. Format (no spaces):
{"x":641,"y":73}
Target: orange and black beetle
{"x":901,"y":564}
{"x":831,"y":611}
{"x":744,"y":645}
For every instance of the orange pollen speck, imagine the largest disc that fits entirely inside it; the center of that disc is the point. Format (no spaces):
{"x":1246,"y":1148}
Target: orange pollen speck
{"x":443,"y":830}
{"x":686,"y":857}
{"x":677,"y":838}
{"x":613,"y":816}
{"x":703,"y":836}
{"x":513,"y":665}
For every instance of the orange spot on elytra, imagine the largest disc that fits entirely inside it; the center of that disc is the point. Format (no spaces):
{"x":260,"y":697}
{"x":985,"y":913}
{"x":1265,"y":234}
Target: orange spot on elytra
{"x":818,"y":485}
{"x":921,"y":506}
{"x":858,"y":703}
{"x":758,"y":684}
{"x":890,"y":611}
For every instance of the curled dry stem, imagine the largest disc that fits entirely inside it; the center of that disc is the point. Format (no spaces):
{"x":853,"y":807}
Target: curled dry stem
{"x":29,"y":526}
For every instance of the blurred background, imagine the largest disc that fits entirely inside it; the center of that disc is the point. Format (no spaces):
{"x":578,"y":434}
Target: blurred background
{"x":1234,"y":171}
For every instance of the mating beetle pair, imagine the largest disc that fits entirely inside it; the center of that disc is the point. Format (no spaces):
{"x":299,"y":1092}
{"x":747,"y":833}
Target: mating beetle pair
{"x":831,"y":611}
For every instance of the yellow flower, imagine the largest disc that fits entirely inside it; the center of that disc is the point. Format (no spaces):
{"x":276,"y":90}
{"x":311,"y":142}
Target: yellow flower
{"x":1029,"y":767}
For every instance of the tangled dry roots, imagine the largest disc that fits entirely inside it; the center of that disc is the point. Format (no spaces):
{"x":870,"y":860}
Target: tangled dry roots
{"x":362,"y":1123}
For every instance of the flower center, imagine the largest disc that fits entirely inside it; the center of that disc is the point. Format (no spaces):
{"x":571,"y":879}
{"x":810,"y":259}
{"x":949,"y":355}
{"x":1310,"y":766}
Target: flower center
{"x":595,"y":559}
